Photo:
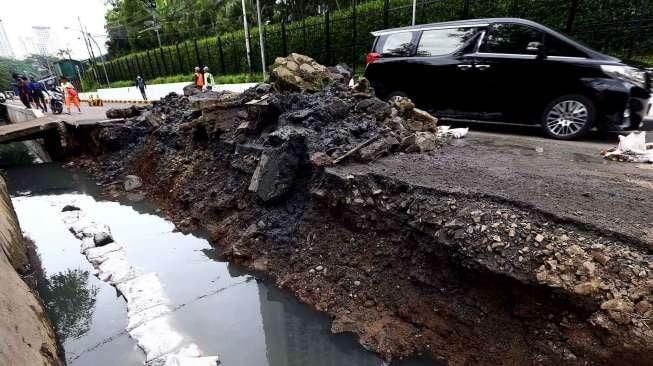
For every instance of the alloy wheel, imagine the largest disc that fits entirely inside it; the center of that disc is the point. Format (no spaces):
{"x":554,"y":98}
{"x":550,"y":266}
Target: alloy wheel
{"x":567,"y":118}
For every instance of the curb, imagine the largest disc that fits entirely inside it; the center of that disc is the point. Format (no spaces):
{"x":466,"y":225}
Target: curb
{"x":123,"y":101}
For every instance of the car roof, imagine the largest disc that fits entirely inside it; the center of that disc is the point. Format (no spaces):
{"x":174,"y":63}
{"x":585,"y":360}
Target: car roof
{"x":486,"y":21}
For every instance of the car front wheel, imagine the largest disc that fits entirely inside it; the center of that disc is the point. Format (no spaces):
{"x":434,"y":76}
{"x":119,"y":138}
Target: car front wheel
{"x":568,"y":117}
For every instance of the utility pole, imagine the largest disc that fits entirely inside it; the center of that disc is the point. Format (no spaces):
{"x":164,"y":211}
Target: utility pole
{"x":89,"y":48}
{"x":249,"y":59}
{"x":104,"y":66}
{"x":156,"y":28}
{"x":81,"y":29}
{"x":260,"y":37}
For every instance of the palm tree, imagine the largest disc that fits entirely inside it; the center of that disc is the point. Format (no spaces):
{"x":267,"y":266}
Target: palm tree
{"x":63,"y":52}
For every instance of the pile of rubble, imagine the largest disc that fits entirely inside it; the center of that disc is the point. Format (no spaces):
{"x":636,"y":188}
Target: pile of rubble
{"x":305,"y":101}
{"x":337,"y":121}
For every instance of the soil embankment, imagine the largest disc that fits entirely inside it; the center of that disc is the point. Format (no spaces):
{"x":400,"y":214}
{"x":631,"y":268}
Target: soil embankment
{"x":466,"y":271}
{"x":26,"y":333}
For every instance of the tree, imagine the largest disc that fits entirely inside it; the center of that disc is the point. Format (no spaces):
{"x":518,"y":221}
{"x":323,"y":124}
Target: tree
{"x":64,"y":52}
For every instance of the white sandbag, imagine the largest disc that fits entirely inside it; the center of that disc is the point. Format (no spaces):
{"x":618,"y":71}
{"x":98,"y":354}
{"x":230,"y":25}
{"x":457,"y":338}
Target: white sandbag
{"x":634,"y":141}
{"x":457,"y":133}
{"x":149,"y":313}
{"x":87,"y":243}
{"x":116,"y":270}
{"x":136,"y":319}
{"x":143,"y":292}
{"x":95,"y":254}
{"x":157,"y":338}
{"x":631,"y":148}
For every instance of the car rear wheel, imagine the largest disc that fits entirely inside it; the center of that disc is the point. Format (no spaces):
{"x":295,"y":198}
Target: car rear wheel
{"x":568,"y":117}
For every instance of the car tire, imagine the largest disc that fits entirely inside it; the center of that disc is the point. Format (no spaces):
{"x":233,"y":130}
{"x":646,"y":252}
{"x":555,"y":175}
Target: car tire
{"x":395,"y":94}
{"x":568,"y":117}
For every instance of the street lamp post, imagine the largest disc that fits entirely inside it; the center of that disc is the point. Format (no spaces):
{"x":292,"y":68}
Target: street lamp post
{"x":414,"y":8}
{"x":249,"y":59}
{"x":260,"y":37}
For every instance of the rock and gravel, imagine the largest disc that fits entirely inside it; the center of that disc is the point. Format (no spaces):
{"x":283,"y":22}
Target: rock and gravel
{"x":467,"y":252}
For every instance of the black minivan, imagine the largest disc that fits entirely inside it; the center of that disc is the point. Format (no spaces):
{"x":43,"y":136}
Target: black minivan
{"x":508,"y":70}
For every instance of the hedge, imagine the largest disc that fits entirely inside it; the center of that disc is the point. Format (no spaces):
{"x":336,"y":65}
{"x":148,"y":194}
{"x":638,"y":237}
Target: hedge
{"x":344,"y":35}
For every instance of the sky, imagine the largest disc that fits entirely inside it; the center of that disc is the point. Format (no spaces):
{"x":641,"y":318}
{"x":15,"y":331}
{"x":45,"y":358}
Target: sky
{"x":18,"y":17}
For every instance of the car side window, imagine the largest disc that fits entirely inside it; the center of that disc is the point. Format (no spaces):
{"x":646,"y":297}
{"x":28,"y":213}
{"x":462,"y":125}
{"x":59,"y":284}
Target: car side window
{"x":436,"y":42}
{"x":558,"y":47}
{"x":509,"y":38}
{"x":395,"y":44}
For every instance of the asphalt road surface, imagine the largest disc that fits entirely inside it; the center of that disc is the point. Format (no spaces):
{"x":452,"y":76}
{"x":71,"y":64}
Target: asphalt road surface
{"x":568,"y":180}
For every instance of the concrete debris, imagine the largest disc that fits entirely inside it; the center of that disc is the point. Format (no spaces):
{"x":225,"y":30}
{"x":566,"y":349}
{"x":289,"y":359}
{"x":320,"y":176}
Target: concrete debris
{"x":148,"y":308}
{"x":128,"y":112}
{"x":132,"y":182}
{"x":299,"y":73}
{"x":69,"y":208}
{"x":277,"y":169}
{"x":632,"y":148}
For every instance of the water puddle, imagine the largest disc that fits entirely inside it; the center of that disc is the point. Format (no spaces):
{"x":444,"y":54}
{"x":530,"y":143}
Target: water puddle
{"x":220,"y":307}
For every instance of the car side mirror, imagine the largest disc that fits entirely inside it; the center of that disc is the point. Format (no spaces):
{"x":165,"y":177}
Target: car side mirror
{"x":537,"y":48}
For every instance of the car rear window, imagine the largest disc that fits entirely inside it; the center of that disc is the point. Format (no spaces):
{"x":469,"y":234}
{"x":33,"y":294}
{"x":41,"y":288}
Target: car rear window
{"x":437,"y":42}
{"x":395,"y":44}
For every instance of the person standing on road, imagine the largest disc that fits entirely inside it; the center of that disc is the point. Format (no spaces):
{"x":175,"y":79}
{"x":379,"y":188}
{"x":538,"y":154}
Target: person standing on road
{"x":70,"y":94}
{"x":208,"y":78}
{"x":23,"y":89}
{"x":199,"y":78}
{"x":140,"y":83}
{"x":37,"y":89}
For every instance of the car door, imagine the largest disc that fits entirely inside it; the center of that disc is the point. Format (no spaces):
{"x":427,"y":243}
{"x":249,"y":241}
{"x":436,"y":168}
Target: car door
{"x":507,"y":74}
{"x":445,"y":74}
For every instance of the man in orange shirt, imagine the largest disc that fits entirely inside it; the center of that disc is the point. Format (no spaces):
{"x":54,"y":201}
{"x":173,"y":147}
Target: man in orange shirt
{"x":199,"y":78}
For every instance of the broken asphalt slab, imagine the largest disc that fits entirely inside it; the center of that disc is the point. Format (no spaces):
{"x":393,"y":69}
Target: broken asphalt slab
{"x":567,"y":180}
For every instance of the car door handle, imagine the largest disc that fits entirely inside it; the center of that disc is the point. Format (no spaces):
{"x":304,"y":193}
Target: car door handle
{"x":483,"y":67}
{"x":465,"y":67}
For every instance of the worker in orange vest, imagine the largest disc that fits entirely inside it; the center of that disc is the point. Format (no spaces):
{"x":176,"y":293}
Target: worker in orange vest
{"x":199,"y":78}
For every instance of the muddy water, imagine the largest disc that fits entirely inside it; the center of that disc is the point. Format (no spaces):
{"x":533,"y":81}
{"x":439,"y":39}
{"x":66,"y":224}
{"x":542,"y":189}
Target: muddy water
{"x":220,"y":307}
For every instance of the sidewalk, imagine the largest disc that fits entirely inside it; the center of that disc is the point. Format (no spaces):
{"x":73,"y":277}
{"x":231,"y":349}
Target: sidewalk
{"x":154,"y":92}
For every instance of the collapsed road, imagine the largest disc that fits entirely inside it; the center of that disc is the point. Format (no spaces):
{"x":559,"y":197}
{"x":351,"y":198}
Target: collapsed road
{"x":466,"y":251}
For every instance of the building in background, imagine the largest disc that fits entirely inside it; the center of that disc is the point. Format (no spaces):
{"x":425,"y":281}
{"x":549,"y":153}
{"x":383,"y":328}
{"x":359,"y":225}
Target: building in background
{"x":43,"y":40}
{"x":5,"y":46}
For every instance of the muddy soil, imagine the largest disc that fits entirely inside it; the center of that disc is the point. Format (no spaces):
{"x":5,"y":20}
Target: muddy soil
{"x":472,"y":262}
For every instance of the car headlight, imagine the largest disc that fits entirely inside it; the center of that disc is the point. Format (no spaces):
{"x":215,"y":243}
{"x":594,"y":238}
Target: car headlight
{"x":628,"y":73}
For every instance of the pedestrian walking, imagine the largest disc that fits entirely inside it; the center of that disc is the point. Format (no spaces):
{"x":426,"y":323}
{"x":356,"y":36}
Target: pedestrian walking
{"x":140,"y":84}
{"x":199,"y":78}
{"x":70,"y":94}
{"x":23,"y":89}
{"x":208,"y":79}
{"x":36,"y":90}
